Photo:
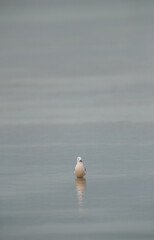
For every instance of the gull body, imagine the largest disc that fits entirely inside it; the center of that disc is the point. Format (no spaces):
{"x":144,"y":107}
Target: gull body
{"x":80,"y":170}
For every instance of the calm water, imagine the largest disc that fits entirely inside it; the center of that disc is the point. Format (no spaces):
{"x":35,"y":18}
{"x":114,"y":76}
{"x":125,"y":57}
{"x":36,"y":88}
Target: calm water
{"x":76,"y":79}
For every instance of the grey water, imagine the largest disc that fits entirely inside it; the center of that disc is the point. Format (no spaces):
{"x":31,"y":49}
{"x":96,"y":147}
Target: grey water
{"x":76,"y":79}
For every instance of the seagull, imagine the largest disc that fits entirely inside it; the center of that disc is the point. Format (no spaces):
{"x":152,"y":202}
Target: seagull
{"x":80,"y":170}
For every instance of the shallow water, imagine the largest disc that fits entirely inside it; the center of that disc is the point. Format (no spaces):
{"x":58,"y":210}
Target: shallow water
{"x":76,"y":81}
{"x":40,"y":197}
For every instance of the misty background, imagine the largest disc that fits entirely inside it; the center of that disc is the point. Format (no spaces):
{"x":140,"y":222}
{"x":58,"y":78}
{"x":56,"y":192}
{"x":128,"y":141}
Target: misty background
{"x":76,"y":78}
{"x":55,"y":53}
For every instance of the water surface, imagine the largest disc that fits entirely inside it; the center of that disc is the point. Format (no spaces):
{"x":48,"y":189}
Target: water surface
{"x":76,"y":79}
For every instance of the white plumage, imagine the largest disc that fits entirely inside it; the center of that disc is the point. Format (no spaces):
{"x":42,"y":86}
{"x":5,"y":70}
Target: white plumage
{"x":80,"y":170}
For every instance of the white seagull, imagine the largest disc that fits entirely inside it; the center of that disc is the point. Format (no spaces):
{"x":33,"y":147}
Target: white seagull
{"x":80,"y":170}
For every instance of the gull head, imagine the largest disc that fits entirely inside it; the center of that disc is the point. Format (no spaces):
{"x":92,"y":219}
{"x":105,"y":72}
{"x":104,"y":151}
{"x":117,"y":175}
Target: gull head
{"x":79,"y":159}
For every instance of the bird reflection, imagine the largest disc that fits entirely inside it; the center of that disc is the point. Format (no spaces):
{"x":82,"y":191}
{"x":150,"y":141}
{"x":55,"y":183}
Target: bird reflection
{"x":80,"y":186}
